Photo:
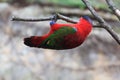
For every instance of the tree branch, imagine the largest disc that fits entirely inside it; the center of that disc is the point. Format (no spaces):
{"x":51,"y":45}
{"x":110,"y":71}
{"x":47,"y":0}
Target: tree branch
{"x":102,"y":22}
{"x":66,"y":18}
{"x":59,"y":16}
{"x":14,"y":18}
{"x":113,"y":8}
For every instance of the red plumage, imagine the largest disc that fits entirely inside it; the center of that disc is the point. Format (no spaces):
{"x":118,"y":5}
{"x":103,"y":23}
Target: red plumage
{"x":62,"y":36}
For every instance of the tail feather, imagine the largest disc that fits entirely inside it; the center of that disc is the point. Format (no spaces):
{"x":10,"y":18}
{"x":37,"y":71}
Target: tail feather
{"x":33,"y":41}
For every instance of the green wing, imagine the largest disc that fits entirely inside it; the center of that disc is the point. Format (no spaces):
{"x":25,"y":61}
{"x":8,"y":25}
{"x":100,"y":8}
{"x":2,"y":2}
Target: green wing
{"x":56,"y":40}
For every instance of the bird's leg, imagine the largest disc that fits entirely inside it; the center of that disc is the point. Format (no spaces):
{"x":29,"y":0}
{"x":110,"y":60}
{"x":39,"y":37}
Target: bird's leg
{"x":54,"y":19}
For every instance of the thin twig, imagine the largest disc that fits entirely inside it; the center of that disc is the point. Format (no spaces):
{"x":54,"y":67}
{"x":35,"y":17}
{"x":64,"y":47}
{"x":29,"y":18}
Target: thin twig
{"x":66,"y":18}
{"x":94,"y":13}
{"x":14,"y":18}
{"x":103,"y":23}
{"x":113,"y":8}
{"x":59,"y":16}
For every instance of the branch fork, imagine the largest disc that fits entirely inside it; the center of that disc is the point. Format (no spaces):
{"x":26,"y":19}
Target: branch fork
{"x":102,"y":23}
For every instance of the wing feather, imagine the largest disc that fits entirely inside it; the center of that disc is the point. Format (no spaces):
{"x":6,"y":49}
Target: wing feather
{"x":56,"y":40}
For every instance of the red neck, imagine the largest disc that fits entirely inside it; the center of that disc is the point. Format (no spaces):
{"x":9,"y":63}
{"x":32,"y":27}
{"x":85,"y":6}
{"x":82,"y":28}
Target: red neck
{"x":84,"y":26}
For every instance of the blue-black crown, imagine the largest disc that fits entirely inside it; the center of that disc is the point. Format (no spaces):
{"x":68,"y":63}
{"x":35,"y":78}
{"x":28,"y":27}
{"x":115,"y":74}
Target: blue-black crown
{"x":87,"y":18}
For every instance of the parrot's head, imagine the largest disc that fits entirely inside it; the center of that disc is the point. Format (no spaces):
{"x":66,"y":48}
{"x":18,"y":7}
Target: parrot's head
{"x":86,"y":24}
{"x":87,"y":18}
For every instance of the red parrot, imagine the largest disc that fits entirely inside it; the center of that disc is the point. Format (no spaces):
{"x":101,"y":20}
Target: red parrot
{"x":62,"y":36}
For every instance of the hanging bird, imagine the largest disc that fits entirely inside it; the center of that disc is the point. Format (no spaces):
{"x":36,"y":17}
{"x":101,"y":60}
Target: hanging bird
{"x":62,"y":36}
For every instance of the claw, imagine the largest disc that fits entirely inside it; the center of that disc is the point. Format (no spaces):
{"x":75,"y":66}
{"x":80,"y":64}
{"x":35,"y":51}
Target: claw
{"x":54,"y":19}
{"x":52,"y":22}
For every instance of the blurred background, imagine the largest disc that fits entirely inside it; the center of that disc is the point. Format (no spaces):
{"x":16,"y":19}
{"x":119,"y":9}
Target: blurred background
{"x":98,"y":58}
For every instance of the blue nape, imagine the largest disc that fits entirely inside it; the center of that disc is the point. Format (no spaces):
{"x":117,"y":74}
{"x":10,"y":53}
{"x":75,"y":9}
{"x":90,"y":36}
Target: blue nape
{"x":87,"y":18}
{"x":52,"y":22}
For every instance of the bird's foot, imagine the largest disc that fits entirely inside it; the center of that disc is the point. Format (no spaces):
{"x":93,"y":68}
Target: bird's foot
{"x":54,"y":19}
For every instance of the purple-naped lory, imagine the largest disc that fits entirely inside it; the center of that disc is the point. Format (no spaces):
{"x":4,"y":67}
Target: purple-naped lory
{"x":62,"y":36}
